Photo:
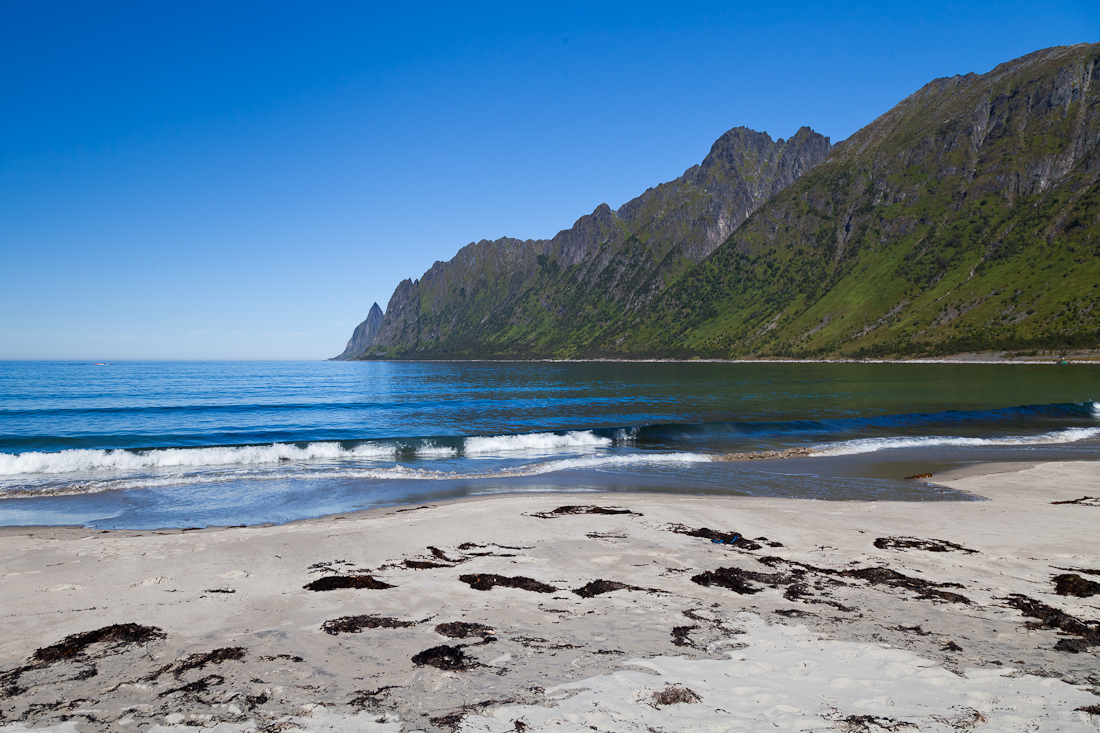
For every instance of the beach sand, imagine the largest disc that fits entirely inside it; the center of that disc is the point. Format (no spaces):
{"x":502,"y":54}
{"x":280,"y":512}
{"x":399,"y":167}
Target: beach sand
{"x":555,"y":612}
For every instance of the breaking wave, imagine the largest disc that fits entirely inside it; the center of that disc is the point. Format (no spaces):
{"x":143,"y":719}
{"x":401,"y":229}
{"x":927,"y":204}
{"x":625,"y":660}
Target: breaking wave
{"x":870,"y":445}
{"x":69,"y":461}
{"x":75,"y":460}
{"x":536,"y":442}
{"x":395,"y":472}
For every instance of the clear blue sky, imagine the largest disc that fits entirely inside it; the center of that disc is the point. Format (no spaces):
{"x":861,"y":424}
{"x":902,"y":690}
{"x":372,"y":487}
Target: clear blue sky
{"x":228,"y":180}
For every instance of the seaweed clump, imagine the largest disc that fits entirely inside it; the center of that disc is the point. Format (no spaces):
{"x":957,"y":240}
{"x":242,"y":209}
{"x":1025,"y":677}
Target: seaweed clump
{"x":915,"y":543}
{"x":200,"y":660}
{"x":674,"y":695}
{"x":1069,"y":584}
{"x":487,"y":581}
{"x":562,"y":511}
{"x":355,"y":624}
{"x":116,"y":635}
{"x":923,"y":588}
{"x":339,"y":582}
{"x":737,"y":580}
{"x":445,"y":657}
{"x":729,"y":538}
{"x":597,"y":587}
{"x":1088,"y":632}
{"x":463,"y":629}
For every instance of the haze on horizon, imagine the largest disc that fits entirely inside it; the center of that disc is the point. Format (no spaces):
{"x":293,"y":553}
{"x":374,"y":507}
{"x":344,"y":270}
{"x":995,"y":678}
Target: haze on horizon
{"x":202,"y":181}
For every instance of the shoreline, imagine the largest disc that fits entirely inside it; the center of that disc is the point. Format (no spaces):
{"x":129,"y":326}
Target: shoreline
{"x":904,"y":612}
{"x":1001,"y":357}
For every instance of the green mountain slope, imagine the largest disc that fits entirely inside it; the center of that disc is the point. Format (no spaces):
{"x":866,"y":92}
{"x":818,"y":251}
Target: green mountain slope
{"x":513,"y":298}
{"x":966,"y":218}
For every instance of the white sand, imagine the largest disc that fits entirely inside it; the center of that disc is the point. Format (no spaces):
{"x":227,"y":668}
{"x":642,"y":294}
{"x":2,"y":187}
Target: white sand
{"x":820,"y":650}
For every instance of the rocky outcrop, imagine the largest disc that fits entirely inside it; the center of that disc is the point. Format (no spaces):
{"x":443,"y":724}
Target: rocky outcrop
{"x":363,"y":335}
{"x":512,"y":297}
{"x":965,"y":218}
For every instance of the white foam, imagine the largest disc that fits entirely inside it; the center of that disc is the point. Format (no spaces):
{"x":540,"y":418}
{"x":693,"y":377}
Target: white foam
{"x":535,"y":442}
{"x":380,"y":473}
{"x":870,"y":445}
{"x":75,"y":460}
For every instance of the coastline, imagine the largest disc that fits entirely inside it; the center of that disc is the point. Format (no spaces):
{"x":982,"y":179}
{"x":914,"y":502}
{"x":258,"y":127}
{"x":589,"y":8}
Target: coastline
{"x":933,"y":633}
{"x":1091,"y":356}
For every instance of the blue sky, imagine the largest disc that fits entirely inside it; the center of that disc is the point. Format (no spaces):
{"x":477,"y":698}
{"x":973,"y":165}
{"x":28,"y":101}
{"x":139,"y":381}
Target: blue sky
{"x":241,"y":181}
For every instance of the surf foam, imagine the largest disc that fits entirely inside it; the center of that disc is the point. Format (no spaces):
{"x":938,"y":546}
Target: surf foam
{"x":535,"y":442}
{"x":79,"y":460}
{"x":871,"y":445}
{"x":386,"y":473}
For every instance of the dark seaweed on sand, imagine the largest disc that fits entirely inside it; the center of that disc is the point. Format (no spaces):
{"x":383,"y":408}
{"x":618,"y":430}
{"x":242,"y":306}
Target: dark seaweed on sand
{"x":355,"y":624}
{"x":915,"y":543}
{"x":462,"y":629}
{"x":923,"y":588}
{"x":116,"y":635}
{"x":338,"y":582}
{"x":445,"y":657}
{"x":197,"y":686}
{"x":674,"y":695}
{"x":452,"y":719}
{"x":1068,"y":584}
{"x":200,"y":660}
{"x":681,"y":635}
{"x":424,"y":564}
{"x":1052,"y":618}
{"x":737,"y":580}
{"x":581,"y":509}
{"x":487,"y":581}
{"x":596,"y":587}
{"x":730,"y":538}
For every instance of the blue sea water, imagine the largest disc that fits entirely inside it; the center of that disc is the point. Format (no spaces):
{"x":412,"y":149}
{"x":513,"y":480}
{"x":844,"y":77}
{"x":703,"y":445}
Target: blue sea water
{"x":170,"y":444}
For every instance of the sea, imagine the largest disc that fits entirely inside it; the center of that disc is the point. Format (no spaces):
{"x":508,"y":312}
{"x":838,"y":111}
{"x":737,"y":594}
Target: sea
{"x":144,"y":445}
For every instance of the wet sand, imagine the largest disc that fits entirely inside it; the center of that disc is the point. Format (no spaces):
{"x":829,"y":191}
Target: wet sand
{"x":537,"y":612}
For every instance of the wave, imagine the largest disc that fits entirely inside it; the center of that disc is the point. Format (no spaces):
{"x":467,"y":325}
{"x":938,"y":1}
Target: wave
{"x":871,"y":445}
{"x":536,"y":442}
{"x":860,"y":434}
{"x":395,"y":472}
{"x":1023,"y":415}
{"x":79,"y":460}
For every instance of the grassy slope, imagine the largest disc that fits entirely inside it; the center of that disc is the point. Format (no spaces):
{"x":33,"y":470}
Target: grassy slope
{"x":510,"y":299}
{"x":927,"y":232}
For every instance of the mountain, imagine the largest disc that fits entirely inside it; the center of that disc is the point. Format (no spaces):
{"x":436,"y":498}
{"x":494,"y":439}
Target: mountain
{"x":965,"y":218}
{"x":524,"y":298}
{"x":363,"y":335}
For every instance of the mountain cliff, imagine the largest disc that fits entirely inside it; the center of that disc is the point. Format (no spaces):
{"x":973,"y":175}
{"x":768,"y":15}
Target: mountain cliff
{"x":363,"y":335}
{"x":965,"y":218}
{"x":524,"y":298}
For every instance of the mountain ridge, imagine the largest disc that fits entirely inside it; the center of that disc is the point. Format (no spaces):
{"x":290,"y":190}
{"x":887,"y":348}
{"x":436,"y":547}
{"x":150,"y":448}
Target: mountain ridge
{"x":941,"y":226}
{"x":613,"y":260}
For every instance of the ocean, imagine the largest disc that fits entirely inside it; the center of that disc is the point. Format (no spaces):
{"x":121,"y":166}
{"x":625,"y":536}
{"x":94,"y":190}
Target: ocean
{"x":190,"y":444}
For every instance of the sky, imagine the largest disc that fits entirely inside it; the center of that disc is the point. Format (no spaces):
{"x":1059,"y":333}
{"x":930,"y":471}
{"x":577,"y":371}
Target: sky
{"x":229,"y":180}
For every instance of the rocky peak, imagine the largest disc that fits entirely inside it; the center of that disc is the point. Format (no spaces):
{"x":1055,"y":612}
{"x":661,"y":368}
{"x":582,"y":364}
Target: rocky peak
{"x":363,"y":335}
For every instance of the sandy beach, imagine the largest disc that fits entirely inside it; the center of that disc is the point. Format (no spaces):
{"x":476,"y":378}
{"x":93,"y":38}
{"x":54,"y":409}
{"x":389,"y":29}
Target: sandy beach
{"x":624,"y":612}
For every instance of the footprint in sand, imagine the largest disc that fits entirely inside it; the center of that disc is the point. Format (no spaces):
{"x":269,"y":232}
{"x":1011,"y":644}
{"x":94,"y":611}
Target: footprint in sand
{"x":235,"y":574}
